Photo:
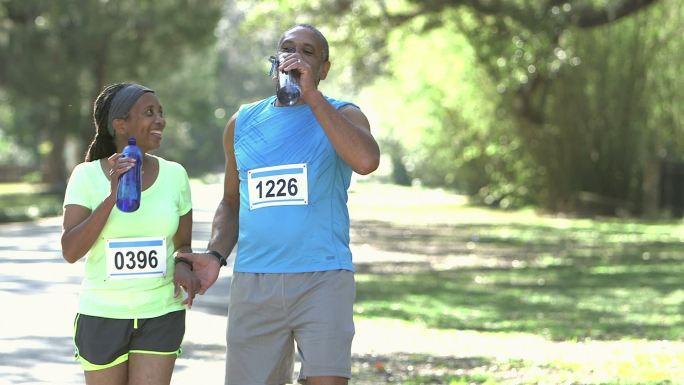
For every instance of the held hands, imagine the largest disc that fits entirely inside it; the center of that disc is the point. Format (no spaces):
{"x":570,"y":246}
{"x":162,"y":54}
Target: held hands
{"x":185,"y":278}
{"x":205,"y":266}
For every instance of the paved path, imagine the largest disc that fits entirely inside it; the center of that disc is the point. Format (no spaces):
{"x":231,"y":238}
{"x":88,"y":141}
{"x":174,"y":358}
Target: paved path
{"x":39,"y":294}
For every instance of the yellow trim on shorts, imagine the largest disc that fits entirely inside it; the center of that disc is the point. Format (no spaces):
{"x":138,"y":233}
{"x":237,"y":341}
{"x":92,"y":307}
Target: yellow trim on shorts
{"x":88,"y":366}
{"x":176,"y":352}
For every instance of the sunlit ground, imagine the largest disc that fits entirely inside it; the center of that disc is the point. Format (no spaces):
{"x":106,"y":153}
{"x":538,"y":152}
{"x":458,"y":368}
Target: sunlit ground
{"x":515,"y":297}
{"x":447,"y":293}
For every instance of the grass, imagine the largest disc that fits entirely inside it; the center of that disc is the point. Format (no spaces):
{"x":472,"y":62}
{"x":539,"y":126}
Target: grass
{"x":543,"y":299}
{"x":24,"y":201}
{"x":597,"y":284}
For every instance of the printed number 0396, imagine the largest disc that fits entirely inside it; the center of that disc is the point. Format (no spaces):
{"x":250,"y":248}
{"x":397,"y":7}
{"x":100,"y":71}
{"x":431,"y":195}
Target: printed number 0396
{"x":131,"y":259}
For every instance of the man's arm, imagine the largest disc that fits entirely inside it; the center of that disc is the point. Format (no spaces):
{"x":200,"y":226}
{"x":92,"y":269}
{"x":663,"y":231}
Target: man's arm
{"x":349,"y":132}
{"x":347,"y":129}
{"x":224,"y":228}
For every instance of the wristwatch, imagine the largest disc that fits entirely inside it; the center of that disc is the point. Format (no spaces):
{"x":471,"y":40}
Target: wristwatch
{"x":222,"y":260}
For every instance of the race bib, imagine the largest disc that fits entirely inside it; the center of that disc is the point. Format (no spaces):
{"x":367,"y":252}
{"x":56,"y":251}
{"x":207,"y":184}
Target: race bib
{"x":135,"y":257}
{"x":278,"y":186}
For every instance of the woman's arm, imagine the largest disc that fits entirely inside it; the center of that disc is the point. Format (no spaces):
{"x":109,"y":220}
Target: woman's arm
{"x":182,"y":240}
{"x":81,"y":228}
{"x":183,"y":275}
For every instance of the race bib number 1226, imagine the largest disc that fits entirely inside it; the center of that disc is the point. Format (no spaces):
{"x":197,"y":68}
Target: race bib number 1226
{"x":278,"y":186}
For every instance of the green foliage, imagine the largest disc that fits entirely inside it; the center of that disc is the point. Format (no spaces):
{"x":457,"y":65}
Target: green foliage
{"x":15,"y":207}
{"x":194,"y":118}
{"x":243,"y":53}
{"x":56,"y":56}
{"x":595,"y":138}
{"x":451,"y":130}
{"x":515,"y":102}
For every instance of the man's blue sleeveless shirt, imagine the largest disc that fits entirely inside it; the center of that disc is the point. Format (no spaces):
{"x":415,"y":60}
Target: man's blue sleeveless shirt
{"x":283,"y":228}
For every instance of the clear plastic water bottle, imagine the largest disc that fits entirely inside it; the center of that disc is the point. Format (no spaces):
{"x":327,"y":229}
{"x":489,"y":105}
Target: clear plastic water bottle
{"x":287,"y":87}
{"x":130,"y":183}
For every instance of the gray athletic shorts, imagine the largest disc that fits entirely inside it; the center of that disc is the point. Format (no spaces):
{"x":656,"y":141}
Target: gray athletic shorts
{"x":269,"y":312}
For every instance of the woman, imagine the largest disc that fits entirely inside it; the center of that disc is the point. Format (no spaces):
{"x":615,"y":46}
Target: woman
{"x":131,"y":317}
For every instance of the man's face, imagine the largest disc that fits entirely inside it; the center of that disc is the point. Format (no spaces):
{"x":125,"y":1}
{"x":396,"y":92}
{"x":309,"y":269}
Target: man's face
{"x":304,"y":42}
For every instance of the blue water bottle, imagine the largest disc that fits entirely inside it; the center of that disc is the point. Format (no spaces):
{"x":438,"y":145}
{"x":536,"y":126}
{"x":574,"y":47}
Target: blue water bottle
{"x":130,"y":183}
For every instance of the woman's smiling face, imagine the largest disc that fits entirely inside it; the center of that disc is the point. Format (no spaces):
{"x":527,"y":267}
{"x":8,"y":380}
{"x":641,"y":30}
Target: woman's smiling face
{"x":146,"y":122}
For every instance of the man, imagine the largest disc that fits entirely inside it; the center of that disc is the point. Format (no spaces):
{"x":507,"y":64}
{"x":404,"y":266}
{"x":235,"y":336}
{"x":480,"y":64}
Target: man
{"x":288,"y":169}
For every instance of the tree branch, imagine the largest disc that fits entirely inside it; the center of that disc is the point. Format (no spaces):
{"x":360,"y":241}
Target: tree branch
{"x":581,"y":15}
{"x":588,"y":17}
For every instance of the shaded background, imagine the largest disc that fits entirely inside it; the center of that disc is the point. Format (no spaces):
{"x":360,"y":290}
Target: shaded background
{"x":569,"y":106}
{"x":508,"y":110}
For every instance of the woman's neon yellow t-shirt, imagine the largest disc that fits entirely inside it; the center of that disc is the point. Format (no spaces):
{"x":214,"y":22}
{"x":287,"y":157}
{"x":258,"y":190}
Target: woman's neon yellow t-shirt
{"x":161,"y":206}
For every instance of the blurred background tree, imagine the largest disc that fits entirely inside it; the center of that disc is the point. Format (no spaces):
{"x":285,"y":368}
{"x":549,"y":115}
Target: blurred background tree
{"x":519,"y":102}
{"x":56,"y":56}
{"x":571,"y":106}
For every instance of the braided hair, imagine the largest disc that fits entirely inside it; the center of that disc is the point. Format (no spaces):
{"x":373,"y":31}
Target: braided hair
{"x":103,"y":144}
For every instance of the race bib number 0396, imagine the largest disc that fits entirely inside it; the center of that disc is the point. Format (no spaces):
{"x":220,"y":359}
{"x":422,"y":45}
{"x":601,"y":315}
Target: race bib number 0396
{"x":136,"y":257}
{"x":278,"y":186}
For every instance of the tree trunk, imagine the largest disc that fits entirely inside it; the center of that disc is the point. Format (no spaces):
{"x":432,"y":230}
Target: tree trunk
{"x":99,"y":71}
{"x":650,"y":188}
{"x":54,"y":164}
{"x":54,"y":168}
